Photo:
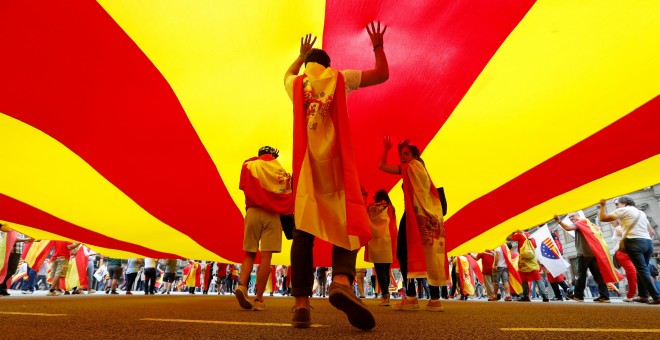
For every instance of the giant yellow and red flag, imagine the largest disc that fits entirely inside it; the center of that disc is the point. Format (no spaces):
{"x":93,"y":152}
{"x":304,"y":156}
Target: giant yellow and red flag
{"x":35,"y":253}
{"x":124,"y":122}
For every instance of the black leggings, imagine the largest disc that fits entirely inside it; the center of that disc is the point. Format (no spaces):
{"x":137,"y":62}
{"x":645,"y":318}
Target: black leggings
{"x":383,"y":278}
{"x":302,"y":263}
{"x":402,"y":256}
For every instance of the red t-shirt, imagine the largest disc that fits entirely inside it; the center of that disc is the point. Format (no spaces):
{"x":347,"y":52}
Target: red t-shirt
{"x":487,"y":260}
{"x":61,"y":249}
{"x":520,"y":238}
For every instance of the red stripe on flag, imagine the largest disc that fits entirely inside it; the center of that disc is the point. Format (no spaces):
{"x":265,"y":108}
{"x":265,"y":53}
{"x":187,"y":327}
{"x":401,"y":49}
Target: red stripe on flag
{"x":553,"y":178}
{"x":435,"y":49}
{"x":18,"y":212}
{"x":73,"y":73}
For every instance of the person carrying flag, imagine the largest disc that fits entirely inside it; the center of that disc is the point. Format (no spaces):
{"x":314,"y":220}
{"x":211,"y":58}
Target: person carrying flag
{"x":268,"y":194}
{"x":327,"y":189}
{"x":506,"y":272}
{"x":592,"y":254}
{"x":10,"y":254}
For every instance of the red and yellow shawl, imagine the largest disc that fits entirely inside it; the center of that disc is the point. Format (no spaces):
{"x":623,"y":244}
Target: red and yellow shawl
{"x":425,"y":231}
{"x":328,"y":200}
{"x":599,"y":248}
{"x":267,"y":185}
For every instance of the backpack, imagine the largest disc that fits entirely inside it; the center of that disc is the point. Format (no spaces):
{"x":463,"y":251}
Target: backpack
{"x":527,"y":251}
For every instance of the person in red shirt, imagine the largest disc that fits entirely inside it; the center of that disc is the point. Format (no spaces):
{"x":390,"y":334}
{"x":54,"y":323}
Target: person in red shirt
{"x":487,"y":259}
{"x":59,"y":264}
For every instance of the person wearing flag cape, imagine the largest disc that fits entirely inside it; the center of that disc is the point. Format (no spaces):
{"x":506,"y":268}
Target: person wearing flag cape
{"x":425,"y":231}
{"x":268,"y":194}
{"x":328,"y":202}
{"x":592,"y":254}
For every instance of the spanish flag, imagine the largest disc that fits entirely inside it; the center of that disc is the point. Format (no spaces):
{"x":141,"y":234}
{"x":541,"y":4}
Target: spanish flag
{"x":76,"y":275}
{"x":267,"y":185}
{"x":7,"y":240}
{"x":382,"y":246}
{"x":476,"y":268}
{"x":464,"y":276}
{"x":35,"y":253}
{"x":192,"y":276}
{"x":599,"y":248}
{"x":328,"y":200}
{"x":425,"y":231}
{"x":514,"y":277}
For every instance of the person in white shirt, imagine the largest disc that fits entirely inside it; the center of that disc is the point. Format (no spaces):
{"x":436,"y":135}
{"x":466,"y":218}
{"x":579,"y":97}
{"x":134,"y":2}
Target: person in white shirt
{"x":637,"y":242}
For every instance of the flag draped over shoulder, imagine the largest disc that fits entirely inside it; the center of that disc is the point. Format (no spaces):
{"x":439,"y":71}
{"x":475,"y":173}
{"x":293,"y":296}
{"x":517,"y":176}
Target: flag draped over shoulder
{"x":514,"y":277}
{"x":7,"y":240}
{"x":35,"y":253}
{"x":193,"y":276}
{"x":599,"y":248}
{"x":76,"y":275}
{"x":476,"y":268}
{"x":267,"y":185}
{"x":382,"y":246}
{"x":548,"y":252}
{"x":425,"y":231}
{"x":464,"y":276}
{"x":328,"y":200}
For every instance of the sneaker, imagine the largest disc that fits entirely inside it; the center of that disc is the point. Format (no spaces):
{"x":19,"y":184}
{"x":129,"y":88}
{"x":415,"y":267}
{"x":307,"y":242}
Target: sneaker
{"x":545,"y":299}
{"x":343,"y":298}
{"x":641,"y":299}
{"x":524,"y":299}
{"x":76,"y":292}
{"x":53,"y":293}
{"x":114,"y":292}
{"x":406,"y":304}
{"x":384,"y":302}
{"x":66,"y":292}
{"x":602,"y":299}
{"x":575,"y":298}
{"x":258,"y":305}
{"x":26,"y":292}
{"x":434,"y":306}
{"x":91,"y":291}
{"x":129,"y":293}
{"x":508,"y":298}
{"x":302,"y":318}
{"x":627,"y":299}
{"x":242,"y":297}
{"x":654,"y":301}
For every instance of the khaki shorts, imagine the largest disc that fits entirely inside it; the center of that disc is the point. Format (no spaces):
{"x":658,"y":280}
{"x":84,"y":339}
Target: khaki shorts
{"x":262,"y":225}
{"x":59,"y":267}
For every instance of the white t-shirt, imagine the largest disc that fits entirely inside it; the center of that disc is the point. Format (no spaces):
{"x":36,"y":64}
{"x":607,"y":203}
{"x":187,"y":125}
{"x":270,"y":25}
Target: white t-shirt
{"x":501,"y":261}
{"x":352,"y":79}
{"x":615,"y":241}
{"x":627,"y":216}
{"x":149,"y":262}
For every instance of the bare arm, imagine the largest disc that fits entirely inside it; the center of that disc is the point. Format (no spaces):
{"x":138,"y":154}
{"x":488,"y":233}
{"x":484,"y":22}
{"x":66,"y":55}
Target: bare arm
{"x":390,"y":169}
{"x":306,"y":44}
{"x":563,"y":226}
{"x":380,"y":73}
{"x":604,"y":217}
{"x":650,"y":229}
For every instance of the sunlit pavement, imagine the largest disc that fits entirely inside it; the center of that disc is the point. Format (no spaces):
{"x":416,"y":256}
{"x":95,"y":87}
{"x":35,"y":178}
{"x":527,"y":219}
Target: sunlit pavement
{"x":185,"y":316}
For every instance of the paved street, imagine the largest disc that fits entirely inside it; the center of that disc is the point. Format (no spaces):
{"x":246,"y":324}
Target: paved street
{"x":181,"y":316}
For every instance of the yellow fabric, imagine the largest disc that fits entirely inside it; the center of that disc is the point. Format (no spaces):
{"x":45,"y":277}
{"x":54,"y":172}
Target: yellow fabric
{"x":428,"y":211}
{"x":527,"y":264}
{"x":271,"y":175}
{"x":380,"y":246}
{"x":72,"y":278}
{"x":465,"y":276}
{"x":320,"y":196}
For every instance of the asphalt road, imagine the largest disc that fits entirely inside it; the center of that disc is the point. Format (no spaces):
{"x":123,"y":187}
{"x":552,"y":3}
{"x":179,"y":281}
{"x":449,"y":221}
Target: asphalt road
{"x":183,"y":316}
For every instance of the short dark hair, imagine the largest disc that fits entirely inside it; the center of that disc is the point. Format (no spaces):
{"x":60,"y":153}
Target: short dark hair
{"x":626,"y":200}
{"x":319,"y":56}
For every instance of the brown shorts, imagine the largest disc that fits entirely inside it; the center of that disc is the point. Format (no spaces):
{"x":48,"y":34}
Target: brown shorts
{"x":262,"y":225}
{"x":59,"y":267}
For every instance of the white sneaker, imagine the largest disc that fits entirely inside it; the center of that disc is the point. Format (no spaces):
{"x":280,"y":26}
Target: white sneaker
{"x":627,"y":299}
{"x":242,"y":297}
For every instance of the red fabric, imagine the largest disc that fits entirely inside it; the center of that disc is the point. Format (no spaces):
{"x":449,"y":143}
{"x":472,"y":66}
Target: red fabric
{"x":357,"y":219}
{"x":603,"y":258}
{"x":257,"y":196}
{"x":487,"y":259}
{"x":61,"y":250}
{"x":207,"y":275}
{"x":81,"y":265}
{"x":475,"y":268}
{"x":631,"y":272}
{"x":553,"y":279}
{"x":222,"y":269}
{"x":39,"y":259}
{"x":10,"y":240}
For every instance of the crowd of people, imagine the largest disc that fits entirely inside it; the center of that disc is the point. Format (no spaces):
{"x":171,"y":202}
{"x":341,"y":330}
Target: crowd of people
{"x":327,"y":201}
